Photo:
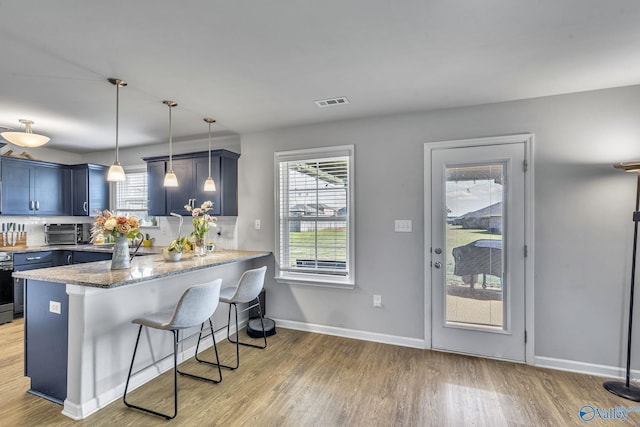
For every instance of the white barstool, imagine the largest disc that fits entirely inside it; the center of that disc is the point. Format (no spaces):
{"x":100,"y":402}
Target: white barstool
{"x":247,"y":291}
{"x":196,"y":306}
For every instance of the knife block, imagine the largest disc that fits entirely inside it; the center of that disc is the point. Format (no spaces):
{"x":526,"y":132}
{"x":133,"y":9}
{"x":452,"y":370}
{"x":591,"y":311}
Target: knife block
{"x":20,"y":236}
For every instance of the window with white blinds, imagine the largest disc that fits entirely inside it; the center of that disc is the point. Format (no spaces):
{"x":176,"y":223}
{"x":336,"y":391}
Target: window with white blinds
{"x":315,"y":229}
{"x":131,"y":196}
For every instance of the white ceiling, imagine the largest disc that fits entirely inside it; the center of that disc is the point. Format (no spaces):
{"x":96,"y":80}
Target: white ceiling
{"x":255,"y":65}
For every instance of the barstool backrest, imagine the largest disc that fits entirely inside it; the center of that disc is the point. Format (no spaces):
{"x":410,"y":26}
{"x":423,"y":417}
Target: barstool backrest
{"x":196,"y":305}
{"x":250,"y":285}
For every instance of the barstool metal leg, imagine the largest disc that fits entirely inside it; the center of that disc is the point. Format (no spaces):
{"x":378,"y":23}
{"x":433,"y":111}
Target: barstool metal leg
{"x":215,"y":349}
{"x":175,"y":379}
{"x":230,"y":340}
{"x":264,"y":333}
{"x":135,"y":349}
{"x":237,"y":341}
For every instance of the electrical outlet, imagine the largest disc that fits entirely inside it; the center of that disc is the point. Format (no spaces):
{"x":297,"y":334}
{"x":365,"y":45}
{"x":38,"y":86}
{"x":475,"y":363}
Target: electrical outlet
{"x":55,"y":307}
{"x":258,"y":224}
{"x":377,"y":301}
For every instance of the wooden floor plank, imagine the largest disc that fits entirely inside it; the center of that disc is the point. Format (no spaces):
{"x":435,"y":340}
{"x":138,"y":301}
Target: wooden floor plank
{"x":307,"y":379}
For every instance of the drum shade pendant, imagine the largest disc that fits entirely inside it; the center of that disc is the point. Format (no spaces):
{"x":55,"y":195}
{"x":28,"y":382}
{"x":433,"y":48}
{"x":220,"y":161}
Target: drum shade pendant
{"x":209,"y":184}
{"x":27,"y":138}
{"x":116,"y":172}
{"x":170,"y":179}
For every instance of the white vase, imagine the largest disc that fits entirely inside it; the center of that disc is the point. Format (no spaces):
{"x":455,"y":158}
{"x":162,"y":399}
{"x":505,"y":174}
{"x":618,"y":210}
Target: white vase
{"x":120,"y":258}
{"x":171,"y":256}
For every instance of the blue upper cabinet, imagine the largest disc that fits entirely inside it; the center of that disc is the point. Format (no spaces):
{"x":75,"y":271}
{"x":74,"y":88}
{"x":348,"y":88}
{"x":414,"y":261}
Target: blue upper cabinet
{"x":35,"y":188}
{"x":192,"y":170}
{"x":90,"y":189}
{"x":157,"y":203}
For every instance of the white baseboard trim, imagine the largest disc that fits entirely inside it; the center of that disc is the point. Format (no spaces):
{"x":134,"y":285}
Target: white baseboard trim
{"x":351,"y":333}
{"x":584,"y":368}
{"x":79,"y":412}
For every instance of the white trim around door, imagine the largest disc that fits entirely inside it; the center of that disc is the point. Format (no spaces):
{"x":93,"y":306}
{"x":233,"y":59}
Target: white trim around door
{"x":528,"y":140}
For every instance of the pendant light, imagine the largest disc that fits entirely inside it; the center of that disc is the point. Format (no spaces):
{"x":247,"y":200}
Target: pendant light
{"x":209,"y":184}
{"x":116,"y":172}
{"x":27,"y":138}
{"x":170,"y":179}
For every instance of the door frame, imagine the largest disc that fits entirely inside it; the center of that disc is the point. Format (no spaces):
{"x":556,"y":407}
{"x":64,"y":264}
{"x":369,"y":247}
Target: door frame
{"x":528,"y":140}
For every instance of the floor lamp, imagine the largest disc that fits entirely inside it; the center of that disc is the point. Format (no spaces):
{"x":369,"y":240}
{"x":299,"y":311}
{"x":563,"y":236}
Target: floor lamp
{"x":619,"y":388}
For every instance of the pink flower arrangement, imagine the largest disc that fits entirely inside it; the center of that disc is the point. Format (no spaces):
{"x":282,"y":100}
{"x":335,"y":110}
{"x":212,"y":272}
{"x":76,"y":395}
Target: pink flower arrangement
{"x":116,"y":226}
{"x":201,"y":220}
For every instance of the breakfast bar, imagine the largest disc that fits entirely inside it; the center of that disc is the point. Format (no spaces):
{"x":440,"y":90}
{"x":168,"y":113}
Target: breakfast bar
{"x":78,"y":332}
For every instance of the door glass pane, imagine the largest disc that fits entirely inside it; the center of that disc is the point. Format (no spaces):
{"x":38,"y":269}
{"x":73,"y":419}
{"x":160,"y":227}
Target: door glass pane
{"x":475,"y":287}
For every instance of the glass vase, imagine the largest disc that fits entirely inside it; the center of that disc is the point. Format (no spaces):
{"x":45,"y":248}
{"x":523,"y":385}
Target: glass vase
{"x":198,"y":247}
{"x":120,"y":258}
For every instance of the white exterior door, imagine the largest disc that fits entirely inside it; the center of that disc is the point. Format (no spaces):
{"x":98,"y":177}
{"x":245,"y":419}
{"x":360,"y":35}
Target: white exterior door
{"x":477,"y":254}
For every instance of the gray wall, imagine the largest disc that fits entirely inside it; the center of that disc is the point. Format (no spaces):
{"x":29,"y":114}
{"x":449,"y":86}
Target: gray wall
{"x":582,"y":216}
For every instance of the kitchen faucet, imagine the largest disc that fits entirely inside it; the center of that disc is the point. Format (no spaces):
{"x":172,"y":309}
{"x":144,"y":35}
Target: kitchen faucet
{"x":181,"y":220}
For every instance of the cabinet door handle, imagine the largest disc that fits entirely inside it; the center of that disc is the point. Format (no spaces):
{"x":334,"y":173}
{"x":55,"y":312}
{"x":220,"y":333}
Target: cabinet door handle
{"x":37,"y":205}
{"x":84,"y":206}
{"x":69,"y":259}
{"x":33,"y":258}
{"x":31,"y":205}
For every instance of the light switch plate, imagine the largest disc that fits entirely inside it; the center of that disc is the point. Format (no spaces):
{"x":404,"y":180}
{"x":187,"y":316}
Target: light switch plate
{"x":258,"y":224}
{"x":403,"y":226}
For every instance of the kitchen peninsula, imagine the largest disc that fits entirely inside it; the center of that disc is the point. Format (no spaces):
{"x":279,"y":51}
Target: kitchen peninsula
{"x":78,"y":332}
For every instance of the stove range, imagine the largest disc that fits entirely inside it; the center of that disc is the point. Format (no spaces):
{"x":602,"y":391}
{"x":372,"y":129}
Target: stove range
{"x":6,"y":287}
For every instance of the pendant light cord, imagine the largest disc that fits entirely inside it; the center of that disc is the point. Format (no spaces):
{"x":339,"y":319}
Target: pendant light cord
{"x":170,"y":142}
{"x":117,"y":117}
{"x":209,"y":150}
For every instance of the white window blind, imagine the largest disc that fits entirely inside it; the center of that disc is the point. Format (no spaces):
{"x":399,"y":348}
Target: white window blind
{"x":131,"y":197}
{"x":314,"y":212}
{"x":131,"y":194}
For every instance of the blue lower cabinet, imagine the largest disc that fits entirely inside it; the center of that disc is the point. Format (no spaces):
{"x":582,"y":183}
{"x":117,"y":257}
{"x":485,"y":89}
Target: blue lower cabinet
{"x":46,"y":339}
{"x":80,"y":257}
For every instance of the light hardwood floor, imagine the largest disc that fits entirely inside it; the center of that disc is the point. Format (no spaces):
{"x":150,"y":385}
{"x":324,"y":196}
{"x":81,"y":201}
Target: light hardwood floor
{"x":306,"y":379}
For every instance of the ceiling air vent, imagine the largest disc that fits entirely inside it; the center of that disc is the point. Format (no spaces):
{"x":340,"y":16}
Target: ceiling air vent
{"x":332,"y":102}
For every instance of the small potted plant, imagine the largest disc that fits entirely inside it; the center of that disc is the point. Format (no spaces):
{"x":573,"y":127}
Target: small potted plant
{"x":148,"y":241}
{"x":173,"y":252}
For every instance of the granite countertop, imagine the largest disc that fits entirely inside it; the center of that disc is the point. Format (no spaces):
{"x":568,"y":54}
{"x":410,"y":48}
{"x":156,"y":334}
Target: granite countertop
{"x":105,"y":248}
{"x":99,"y":274}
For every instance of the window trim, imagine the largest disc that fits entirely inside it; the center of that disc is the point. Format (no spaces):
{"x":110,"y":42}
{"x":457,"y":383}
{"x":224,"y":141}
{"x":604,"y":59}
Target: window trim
{"x":317,"y":279}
